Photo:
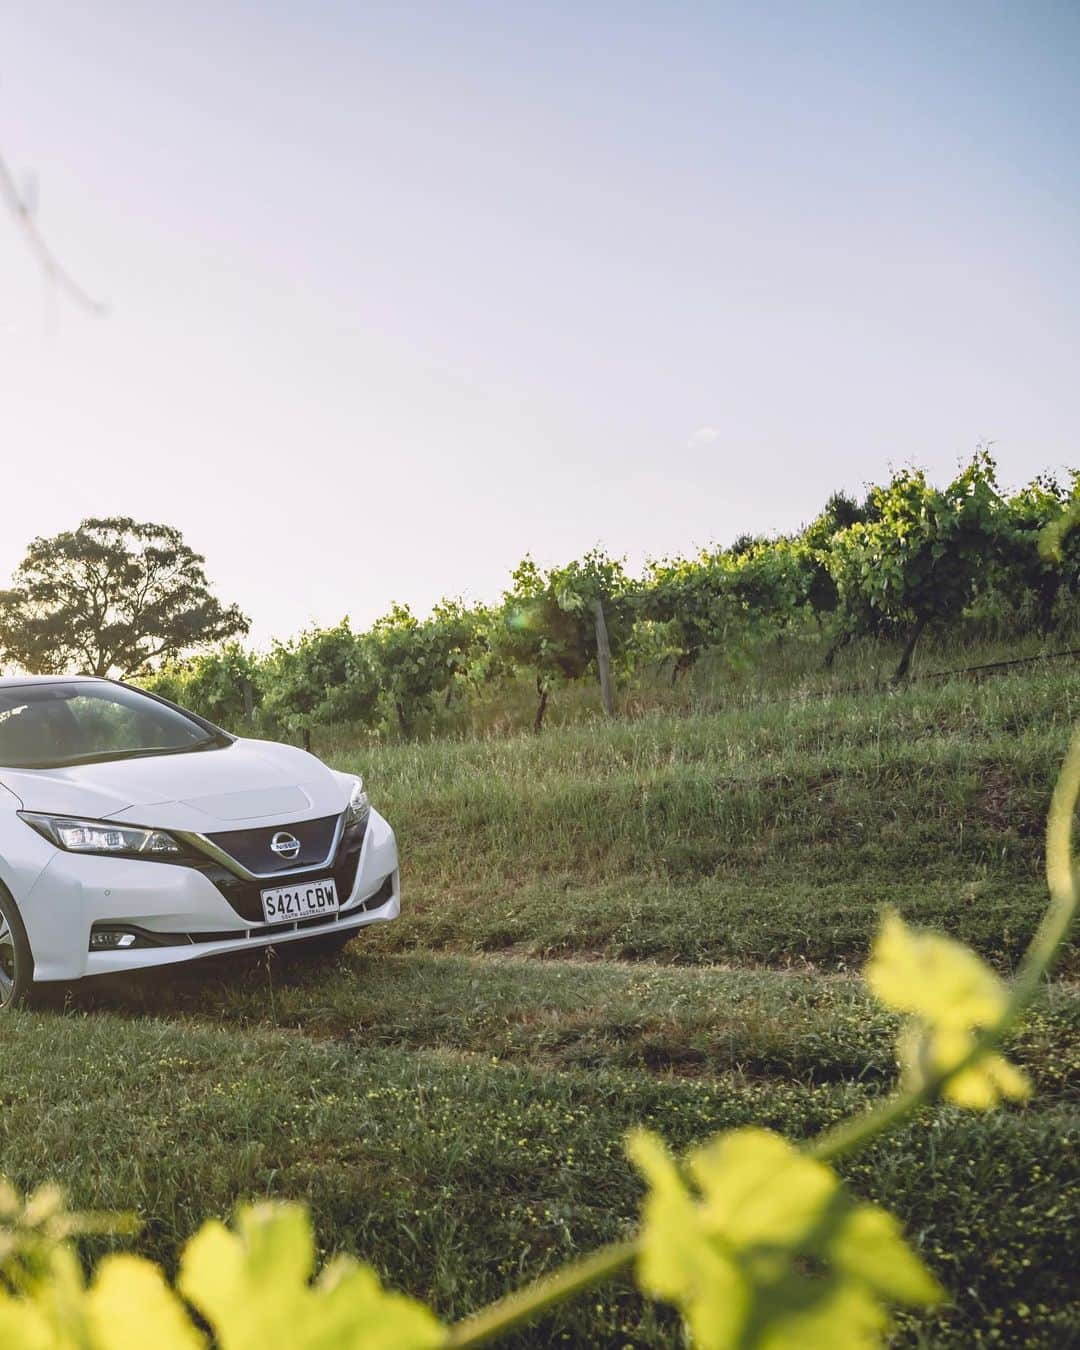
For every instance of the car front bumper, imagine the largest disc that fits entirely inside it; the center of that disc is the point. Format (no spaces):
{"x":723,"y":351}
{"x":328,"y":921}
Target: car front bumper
{"x":182,"y":909}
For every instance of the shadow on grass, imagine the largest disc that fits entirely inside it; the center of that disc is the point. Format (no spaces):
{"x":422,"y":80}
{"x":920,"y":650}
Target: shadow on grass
{"x":204,"y":988}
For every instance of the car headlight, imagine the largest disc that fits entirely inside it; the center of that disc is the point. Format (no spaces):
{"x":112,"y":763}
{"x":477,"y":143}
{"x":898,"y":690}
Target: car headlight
{"x":359,"y":807}
{"x":101,"y":836}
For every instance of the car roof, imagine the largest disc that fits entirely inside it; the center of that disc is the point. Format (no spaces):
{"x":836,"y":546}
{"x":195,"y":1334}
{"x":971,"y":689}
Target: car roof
{"x":7,"y":681}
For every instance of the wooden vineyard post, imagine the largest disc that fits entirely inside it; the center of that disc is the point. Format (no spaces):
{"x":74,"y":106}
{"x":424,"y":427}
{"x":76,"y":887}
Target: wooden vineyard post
{"x":603,"y":657}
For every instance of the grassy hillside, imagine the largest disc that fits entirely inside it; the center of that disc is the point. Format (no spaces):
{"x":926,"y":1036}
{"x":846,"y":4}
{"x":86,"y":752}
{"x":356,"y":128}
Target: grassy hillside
{"x":772,"y":834}
{"x":656,"y":921}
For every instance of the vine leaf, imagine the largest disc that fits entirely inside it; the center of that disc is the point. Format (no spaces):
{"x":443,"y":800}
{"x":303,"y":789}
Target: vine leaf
{"x":254,"y":1288}
{"x":949,"y":994}
{"x":128,"y":1305}
{"x":25,"y":1324}
{"x":766,"y":1248}
{"x":1051,"y":540}
{"x":129,"y":1294}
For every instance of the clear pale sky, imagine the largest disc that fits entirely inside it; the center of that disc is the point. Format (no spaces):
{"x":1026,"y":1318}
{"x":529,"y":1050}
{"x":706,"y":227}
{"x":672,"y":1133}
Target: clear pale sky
{"x":401,"y":291}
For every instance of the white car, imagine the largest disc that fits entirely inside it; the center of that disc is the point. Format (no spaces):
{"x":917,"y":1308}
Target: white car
{"x":134,"y":834}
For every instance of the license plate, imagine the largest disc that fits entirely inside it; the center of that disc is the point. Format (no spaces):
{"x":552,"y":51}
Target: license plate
{"x":308,"y":900}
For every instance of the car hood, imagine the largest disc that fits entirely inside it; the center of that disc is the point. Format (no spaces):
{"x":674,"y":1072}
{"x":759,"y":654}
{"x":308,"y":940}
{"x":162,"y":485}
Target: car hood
{"x":247,"y":781}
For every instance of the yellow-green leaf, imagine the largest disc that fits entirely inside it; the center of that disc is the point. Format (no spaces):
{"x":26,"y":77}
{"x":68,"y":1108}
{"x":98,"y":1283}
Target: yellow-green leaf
{"x":254,"y":1288}
{"x":25,"y":1326}
{"x":677,"y":1263}
{"x":128,"y":1296}
{"x":1052,"y":536}
{"x":845,"y":1316}
{"x":870,"y":1245}
{"x":950,"y":995}
{"x":738,"y":1174}
{"x":934,"y":977}
{"x":735,"y":1253}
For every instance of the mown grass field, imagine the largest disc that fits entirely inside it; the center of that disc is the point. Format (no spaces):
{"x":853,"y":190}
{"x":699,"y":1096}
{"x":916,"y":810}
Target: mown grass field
{"x":658,"y":921}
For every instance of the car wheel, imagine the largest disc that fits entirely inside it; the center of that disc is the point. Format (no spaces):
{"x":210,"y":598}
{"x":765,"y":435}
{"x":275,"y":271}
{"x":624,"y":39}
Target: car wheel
{"x":16,"y":961}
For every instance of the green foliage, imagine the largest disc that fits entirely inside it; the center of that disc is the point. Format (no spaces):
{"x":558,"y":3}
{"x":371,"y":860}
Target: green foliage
{"x":32,"y":1229}
{"x":538,"y":633}
{"x":694,"y":601}
{"x":921,"y":557}
{"x":950,"y":997}
{"x":254,"y":1287}
{"x":218,"y":685}
{"x":126,"y":1299}
{"x":333,"y":676}
{"x":1028,"y":513}
{"x":463,"y":636}
{"x":416,"y":662}
{"x":908,"y":556}
{"x":1042,"y":553}
{"x":768,"y":1249}
{"x":115,"y":596}
{"x":549,"y":624}
{"x":841,"y":511}
{"x":723,"y":599}
{"x":772,"y":582}
{"x":1058,"y":531}
{"x":323,"y":677}
{"x":45,"y":1303}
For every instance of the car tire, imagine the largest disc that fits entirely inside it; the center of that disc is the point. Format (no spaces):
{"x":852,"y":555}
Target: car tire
{"x":16,"y":959}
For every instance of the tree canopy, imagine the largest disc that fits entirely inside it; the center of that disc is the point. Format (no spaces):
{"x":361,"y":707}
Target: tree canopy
{"x":112,"y":597}
{"x":922,"y":555}
{"x":550,"y":624}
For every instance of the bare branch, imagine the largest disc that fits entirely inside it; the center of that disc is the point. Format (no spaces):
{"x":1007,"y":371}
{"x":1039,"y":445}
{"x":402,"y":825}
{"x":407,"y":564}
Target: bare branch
{"x":19,"y":209}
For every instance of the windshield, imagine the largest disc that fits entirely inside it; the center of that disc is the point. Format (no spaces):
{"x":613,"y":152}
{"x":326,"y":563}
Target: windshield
{"x":53,"y":725}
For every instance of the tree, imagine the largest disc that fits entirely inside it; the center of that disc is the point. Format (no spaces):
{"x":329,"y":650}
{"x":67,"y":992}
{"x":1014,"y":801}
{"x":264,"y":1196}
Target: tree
{"x":568,"y":621}
{"x":114,"y":596}
{"x":220,"y":685}
{"x":418,"y":660}
{"x":597,"y":590}
{"x":694,"y":602}
{"x":325,"y":676}
{"x":743,"y":543}
{"x":771,"y":581}
{"x":721,"y":598}
{"x":922,"y":556}
{"x":464,"y":634}
{"x":840,"y":512}
{"x":1027,"y":572}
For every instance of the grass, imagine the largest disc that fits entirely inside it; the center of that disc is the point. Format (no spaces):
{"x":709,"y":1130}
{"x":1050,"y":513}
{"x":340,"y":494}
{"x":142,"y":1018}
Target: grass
{"x":457,"y":1175}
{"x":882,"y":783}
{"x":566,"y":1015}
{"x":662,"y":838}
{"x":823,"y":926}
{"x":659,"y":921}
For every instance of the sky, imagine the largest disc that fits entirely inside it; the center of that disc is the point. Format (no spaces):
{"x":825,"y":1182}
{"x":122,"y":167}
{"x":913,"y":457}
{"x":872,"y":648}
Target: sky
{"x":398,"y":292}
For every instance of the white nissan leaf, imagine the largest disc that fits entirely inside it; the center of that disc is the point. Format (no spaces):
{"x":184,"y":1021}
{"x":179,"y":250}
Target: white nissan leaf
{"x":134,"y":834}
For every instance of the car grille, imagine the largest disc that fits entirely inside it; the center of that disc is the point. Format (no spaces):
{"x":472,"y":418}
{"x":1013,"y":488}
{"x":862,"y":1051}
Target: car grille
{"x":252,"y":848}
{"x":246,"y":896}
